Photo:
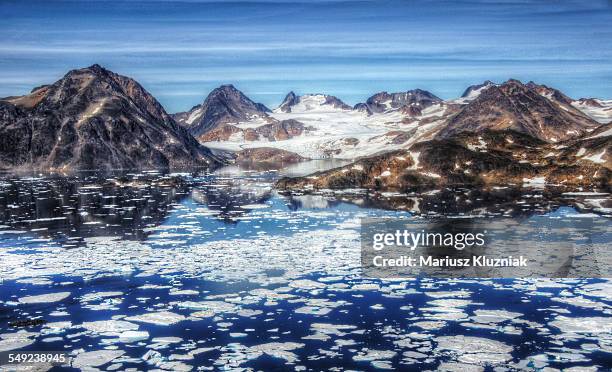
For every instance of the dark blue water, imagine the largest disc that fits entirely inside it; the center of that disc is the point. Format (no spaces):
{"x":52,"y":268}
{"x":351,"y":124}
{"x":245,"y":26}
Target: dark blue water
{"x":243,"y":277}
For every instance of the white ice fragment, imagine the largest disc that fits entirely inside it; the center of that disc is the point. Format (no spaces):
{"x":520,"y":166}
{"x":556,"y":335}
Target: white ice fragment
{"x":95,"y":358}
{"x":45,"y":298}
{"x":164,"y":318}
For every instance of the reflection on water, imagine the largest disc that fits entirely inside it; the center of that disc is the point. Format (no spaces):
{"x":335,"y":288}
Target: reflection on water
{"x":507,"y":202}
{"x":167,"y":271}
{"x":90,"y":205}
{"x":130,"y":205}
{"x":287,"y":170}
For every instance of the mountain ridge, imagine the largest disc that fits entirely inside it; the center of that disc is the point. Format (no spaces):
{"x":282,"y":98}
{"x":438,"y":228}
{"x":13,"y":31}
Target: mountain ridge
{"x":524,"y":108}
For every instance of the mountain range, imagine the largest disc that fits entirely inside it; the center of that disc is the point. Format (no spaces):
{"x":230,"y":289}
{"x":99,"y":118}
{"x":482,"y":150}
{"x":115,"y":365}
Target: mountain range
{"x":511,"y":132}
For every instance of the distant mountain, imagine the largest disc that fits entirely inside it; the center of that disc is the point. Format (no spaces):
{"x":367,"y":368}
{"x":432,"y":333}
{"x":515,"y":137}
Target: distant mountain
{"x":598,"y":109}
{"x":383,"y":101}
{"x":474,"y":91}
{"x":319,"y":125}
{"x":533,"y":109}
{"x":290,"y":100}
{"x":310,"y":102}
{"x":225,"y":104}
{"x":591,"y":102}
{"x":93,"y":118}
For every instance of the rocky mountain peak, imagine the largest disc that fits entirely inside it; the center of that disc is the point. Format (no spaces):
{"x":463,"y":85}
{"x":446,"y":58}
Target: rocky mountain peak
{"x":309,"y":102}
{"x":290,"y":100}
{"x":513,"y":86}
{"x":384,"y":101}
{"x":591,"y":102}
{"x":226,"y":89}
{"x":474,"y":90}
{"x":93,"y":118}
{"x":225,"y":104}
{"x":523,"y":108}
{"x":96,"y":68}
{"x":550,"y":93}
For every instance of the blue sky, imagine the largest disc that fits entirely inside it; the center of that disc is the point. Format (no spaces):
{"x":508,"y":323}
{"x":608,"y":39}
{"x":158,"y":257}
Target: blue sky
{"x":181,"y":50}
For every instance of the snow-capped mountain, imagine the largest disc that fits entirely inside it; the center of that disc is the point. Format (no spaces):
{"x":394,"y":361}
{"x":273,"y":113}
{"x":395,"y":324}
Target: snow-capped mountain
{"x":598,"y":109}
{"x":290,"y":100}
{"x":224,"y":105}
{"x":508,"y":134}
{"x":412,"y":102}
{"x":318,"y":125}
{"x":93,"y":118}
{"x":310,"y":102}
{"x":473,"y":91}
{"x":324,"y":126}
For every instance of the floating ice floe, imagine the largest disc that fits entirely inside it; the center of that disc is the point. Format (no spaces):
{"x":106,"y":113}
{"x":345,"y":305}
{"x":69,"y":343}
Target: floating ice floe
{"x":164,"y":318}
{"x":213,"y":306}
{"x":371,"y":355}
{"x":306,"y":284}
{"x":109,"y":327}
{"x":96,"y":358}
{"x":97,"y":296}
{"x":133,"y":336}
{"x":475,"y":350}
{"x":44,"y":298}
{"x":586,"y":325}
{"x":430,"y":325}
{"x":277,"y":350}
{"x":56,"y":327}
{"x":17,"y":340}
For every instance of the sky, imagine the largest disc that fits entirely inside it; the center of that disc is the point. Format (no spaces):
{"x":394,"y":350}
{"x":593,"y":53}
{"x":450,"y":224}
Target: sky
{"x":181,"y":50}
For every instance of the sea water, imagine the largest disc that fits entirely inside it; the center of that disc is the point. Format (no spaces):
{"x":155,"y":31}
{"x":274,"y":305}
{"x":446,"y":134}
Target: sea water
{"x":152,"y":270}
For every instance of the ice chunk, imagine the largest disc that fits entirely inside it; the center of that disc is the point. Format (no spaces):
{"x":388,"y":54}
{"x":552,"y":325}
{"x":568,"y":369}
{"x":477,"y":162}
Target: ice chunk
{"x":110,"y":327}
{"x":160,"y":318}
{"x":45,"y":298}
{"x":95,"y":358}
{"x":583,"y":324}
{"x":17,"y":340}
{"x":133,"y":336}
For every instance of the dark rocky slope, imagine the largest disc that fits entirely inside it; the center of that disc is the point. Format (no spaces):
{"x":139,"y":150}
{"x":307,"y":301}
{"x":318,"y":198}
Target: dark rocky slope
{"x":594,"y":147}
{"x":268,"y":155}
{"x":291,"y":99}
{"x":274,"y":131}
{"x":93,"y":118}
{"x":487,"y":158}
{"x":532,"y":109}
